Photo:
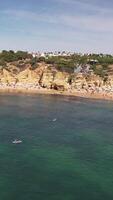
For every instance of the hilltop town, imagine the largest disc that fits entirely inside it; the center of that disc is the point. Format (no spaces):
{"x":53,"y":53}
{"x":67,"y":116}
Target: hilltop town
{"x":87,"y":75}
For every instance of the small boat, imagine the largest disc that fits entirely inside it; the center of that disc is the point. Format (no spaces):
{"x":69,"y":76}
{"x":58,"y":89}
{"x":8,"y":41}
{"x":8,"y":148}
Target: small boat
{"x":54,"y":120}
{"x":17,"y":142}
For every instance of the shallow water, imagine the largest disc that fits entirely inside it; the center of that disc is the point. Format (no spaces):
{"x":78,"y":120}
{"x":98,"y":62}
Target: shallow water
{"x":70,"y":158}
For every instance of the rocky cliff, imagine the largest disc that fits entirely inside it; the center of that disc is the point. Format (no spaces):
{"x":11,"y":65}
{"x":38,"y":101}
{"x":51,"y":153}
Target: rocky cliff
{"x":49,"y":77}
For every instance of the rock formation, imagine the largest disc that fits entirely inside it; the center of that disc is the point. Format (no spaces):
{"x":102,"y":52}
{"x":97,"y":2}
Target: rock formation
{"x":47,"y":76}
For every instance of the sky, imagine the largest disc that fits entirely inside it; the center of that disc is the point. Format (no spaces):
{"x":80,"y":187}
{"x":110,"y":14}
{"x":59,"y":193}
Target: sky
{"x":84,"y":26}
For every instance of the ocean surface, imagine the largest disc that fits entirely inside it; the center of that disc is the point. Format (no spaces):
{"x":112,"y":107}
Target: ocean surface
{"x":67,"y":149}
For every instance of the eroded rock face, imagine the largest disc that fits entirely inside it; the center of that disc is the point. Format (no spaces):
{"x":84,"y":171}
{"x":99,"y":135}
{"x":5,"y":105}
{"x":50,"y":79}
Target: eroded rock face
{"x":49,"y":77}
{"x":86,"y":81}
{"x":7,"y":77}
{"x":28,"y":76}
{"x":53,"y":79}
{"x":109,"y":81}
{"x":61,"y":81}
{"x":79,"y":81}
{"x":94,"y":81}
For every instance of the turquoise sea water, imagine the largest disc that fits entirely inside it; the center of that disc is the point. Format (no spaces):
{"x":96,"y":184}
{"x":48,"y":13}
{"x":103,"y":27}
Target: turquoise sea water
{"x":68,"y":159}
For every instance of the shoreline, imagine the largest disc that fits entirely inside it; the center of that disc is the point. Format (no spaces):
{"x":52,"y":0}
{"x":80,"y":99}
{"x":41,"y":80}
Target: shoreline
{"x":88,"y":95}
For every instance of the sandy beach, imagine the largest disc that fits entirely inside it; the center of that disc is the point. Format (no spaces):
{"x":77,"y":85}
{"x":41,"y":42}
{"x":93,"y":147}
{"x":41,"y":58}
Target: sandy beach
{"x":92,"y":95}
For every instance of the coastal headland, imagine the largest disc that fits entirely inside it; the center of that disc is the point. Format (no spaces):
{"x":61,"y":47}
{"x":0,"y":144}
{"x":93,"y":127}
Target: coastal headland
{"x":89,"y":76}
